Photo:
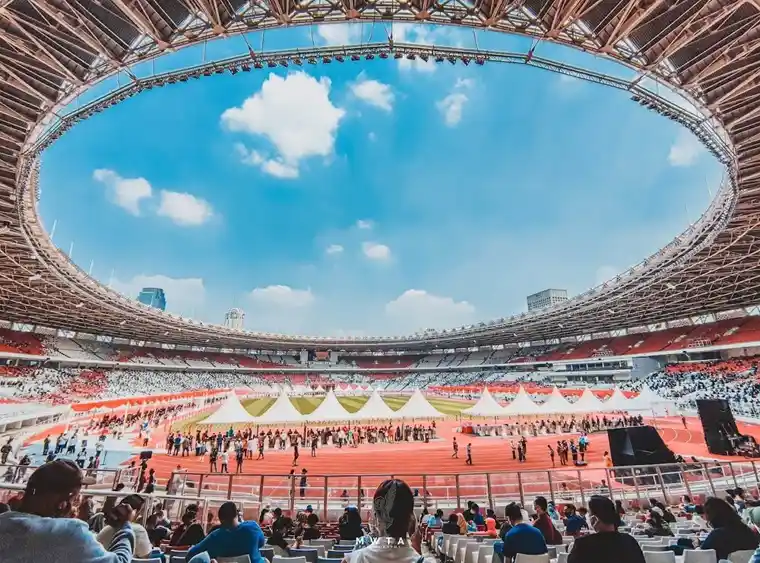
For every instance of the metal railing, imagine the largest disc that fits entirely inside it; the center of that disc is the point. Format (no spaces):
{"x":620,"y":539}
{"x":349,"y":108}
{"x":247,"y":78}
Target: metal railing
{"x":329,"y":494}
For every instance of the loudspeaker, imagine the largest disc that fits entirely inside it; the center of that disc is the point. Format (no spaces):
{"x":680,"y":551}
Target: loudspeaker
{"x":642,"y":446}
{"x":147,"y":454}
{"x":718,"y":424}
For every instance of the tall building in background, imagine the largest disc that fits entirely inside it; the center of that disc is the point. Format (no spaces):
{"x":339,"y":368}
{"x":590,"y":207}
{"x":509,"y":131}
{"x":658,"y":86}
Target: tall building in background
{"x":153,"y":297}
{"x":234,"y":318}
{"x":546,"y":298}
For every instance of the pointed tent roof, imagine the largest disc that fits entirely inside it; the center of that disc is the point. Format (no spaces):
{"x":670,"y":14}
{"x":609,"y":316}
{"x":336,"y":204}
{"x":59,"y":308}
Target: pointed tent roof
{"x":319,"y":389}
{"x":375,"y":408}
{"x":486,"y":406}
{"x":329,"y":409}
{"x":231,"y":411}
{"x":522,"y":404}
{"x":617,"y":401}
{"x":556,"y":403}
{"x":418,"y":407}
{"x":281,"y":411}
{"x":646,"y":399}
{"x":588,"y":402}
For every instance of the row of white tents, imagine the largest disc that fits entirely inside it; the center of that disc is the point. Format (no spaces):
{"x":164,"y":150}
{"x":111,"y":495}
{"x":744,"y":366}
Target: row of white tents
{"x":299,"y":390}
{"x":523,"y":405}
{"x":282,"y":411}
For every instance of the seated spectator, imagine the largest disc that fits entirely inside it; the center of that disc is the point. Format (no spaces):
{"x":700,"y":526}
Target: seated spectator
{"x":607,"y":545}
{"x":393,"y":508}
{"x":142,"y":547}
{"x":728,"y":533}
{"x":686,"y":505}
{"x":656,"y":525}
{"x":462,"y":523}
{"x":477,"y":517}
{"x":156,"y":533}
{"x":574,"y":524}
{"x":311,"y":530}
{"x":665,"y":512}
{"x":190,"y":531}
{"x":350,"y":524}
{"x":698,"y":518}
{"x":230,"y":539}
{"x":42,"y":523}
{"x":491,"y":528}
{"x":521,"y":538}
{"x":544,"y":523}
{"x":452,"y":525}
{"x":435,"y":520}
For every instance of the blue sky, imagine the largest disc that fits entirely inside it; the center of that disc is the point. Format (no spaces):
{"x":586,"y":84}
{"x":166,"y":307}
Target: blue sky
{"x":375,"y":197}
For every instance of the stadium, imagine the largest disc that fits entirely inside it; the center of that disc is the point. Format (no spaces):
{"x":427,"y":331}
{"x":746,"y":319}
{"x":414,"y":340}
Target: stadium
{"x":644,"y":387}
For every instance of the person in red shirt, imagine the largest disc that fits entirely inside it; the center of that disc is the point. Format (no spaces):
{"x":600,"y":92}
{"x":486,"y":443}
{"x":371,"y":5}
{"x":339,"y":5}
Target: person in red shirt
{"x":544,"y":523}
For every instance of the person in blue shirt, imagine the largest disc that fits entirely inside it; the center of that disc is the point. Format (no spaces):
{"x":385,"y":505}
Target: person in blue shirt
{"x":521,"y":538}
{"x":435,"y":520}
{"x":230,"y":539}
{"x":574,"y":523}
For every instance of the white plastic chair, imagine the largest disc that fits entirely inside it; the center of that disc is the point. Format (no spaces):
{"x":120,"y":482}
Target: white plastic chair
{"x":523,"y":558}
{"x":562,"y":557}
{"x":152,"y":560}
{"x":280,"y":559}
{"x":485,"y":554}
{"x":659,"y":557}
{"x":235,"y":559}
{"x":700,"y":556}
{"x":470,"y":552}
{"x":459,"y":556}
{"x":454,"y":546}
{"x":742,"y":556}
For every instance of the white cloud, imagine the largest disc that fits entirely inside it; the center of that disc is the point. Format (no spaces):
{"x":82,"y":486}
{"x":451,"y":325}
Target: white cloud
{"x":452,"y":106}
{"x":416,"y":309}
{"x":334,"y":249}
{"x":281,"y":296}
{"x":184,"y":209}
{"x":373,"y":92}
{"x":294,"y":114}
{"x":184,"y":296}
{"x":274,"y":167}
{"x":364,"y":224}
{"x":376,"y":251}
{"x":339,"y":33}
{"x":127,"y":193}
{"x":685,"y":150}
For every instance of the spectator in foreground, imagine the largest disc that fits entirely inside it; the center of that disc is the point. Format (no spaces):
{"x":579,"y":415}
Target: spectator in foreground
{"x":729,"y":533}
{"x":190,"y":531}
{"x":42,"y":527}
{"x":607,"y":545}
{"x":574,"y":524}
{"x":142,"y":546}
{"x":521,"y":538}
{"x":311,"y":530}
{"x":393,"y":508}
{"x":230,"y":539}
{"x":544,"y":523}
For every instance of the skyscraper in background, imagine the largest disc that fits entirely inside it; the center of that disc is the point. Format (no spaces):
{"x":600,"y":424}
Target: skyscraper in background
{"x":234,"y":318}
{"x":153,"y":297}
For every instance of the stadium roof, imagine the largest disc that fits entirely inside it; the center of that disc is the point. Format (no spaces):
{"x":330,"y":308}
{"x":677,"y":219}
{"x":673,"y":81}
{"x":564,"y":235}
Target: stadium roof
{"x":51,"y":50}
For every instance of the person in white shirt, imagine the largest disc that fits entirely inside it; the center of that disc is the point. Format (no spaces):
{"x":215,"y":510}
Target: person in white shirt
{"x":225,"y":460}
{"x":142,"y":545}
{"x":393,"y":511}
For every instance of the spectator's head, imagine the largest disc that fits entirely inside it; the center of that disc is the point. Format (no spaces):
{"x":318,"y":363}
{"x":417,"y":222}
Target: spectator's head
{"x":656,"y":518}
{"x":312,"y":520}
{"x":228,"y":515}
{"x":602,"y":515}
{"x":686,"y":499}
{"x":569,"y":510}
{"x":453,"y":518}
{"x":439,"y":513}
{"x":514,"y":513}
{"x":393,"y":507}
{"x":277,"y":512}
{"x":474,"y":508}
{"x":52,"y":488}
{"x":699,"y":509}
{"x":540,"y":505}
{"x":720,"y":514}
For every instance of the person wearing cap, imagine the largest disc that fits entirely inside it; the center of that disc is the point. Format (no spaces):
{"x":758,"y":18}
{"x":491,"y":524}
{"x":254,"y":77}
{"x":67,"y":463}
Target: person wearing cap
{"x":42,"y":529}
{"x":230,"y":539}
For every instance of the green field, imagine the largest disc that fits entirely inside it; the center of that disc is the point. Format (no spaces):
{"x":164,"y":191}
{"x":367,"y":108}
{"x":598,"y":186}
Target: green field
{"x":306,"y":405}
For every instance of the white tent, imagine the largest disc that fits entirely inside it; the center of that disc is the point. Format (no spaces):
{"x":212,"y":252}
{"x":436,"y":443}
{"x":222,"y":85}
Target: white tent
{"x":522,"y":404}
{"x":319,"y":389}
{"x":556,"y":404}
{"x":418,"y":407}
{"x":618,"y":401}
{"x":486,"y":406}
{"x":588,"y":402}
{"x":329,"y":410}
{"x":648,"y":400}
{"x":231,"y":411}
{"x":374,"y":409}
{"x":281,"y":411}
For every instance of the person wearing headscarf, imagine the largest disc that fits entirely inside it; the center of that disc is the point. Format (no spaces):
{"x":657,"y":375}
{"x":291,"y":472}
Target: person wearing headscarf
{"x":491,"y":528}
{"x":395,"y":525}
{"x":350,"y":524}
